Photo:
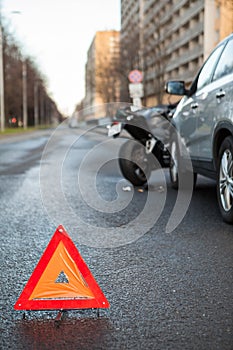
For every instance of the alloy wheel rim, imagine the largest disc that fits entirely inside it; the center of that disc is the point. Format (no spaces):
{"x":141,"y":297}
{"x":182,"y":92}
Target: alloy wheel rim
{"x":226,"y":180}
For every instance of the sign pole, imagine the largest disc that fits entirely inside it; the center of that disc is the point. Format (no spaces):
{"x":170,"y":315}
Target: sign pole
{"x":136,"y":87}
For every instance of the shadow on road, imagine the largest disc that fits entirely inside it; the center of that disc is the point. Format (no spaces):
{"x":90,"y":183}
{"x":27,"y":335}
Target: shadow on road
{"x":89,"y":333}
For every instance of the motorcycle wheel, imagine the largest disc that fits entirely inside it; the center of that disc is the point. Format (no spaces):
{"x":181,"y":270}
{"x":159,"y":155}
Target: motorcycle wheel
{"x":134,"y":163}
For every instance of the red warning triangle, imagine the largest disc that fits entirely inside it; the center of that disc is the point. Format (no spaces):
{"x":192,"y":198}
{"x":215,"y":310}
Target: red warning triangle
{"x":61,"y":280}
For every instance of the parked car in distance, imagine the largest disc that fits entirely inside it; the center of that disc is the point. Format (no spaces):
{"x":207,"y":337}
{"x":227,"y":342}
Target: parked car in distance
{"x":204,"y":123}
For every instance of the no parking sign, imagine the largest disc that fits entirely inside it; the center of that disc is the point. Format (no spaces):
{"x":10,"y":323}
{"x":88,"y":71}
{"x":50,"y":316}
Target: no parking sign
{"x":135,"y":76}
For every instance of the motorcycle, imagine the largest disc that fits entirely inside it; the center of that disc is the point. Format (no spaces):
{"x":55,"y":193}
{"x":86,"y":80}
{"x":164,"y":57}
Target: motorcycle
{"x":150,"y":128}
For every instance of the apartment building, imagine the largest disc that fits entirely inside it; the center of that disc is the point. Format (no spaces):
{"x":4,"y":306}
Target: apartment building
{"x":130,"y":42}
{"x":102,"y":76}
{"x":175,"y":37}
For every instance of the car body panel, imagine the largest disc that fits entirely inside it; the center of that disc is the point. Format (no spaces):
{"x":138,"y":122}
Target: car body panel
{"x":207,"y":108}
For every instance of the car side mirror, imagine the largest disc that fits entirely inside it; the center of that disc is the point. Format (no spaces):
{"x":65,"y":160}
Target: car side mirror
{"x":175,"y":87}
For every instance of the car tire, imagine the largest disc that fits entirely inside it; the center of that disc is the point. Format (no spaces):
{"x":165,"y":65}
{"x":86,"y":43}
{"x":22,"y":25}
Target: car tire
{"x":225,"y":179}
{"x":176,"y":169}
{"x":173,"y":165}
{"x":134,"y":163}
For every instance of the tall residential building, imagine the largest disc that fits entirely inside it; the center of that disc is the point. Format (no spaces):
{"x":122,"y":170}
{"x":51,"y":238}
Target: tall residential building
{"x":175,"y":37}
{"x":131,"y":39}
{"x":102,"y":74}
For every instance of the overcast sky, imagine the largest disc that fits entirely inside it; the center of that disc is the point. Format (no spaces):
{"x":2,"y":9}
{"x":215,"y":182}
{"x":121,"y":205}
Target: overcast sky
{"x":58,"y":34}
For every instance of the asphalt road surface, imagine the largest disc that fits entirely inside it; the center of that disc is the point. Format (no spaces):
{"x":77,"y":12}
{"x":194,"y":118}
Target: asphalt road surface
{"x":168,"y":288}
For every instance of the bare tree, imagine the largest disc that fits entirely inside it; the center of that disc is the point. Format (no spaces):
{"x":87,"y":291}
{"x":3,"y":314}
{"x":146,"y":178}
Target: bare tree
{"x":13,"y":61}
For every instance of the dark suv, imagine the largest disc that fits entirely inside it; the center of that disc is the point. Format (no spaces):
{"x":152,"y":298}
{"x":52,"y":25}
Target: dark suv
{"x":204,"y":122}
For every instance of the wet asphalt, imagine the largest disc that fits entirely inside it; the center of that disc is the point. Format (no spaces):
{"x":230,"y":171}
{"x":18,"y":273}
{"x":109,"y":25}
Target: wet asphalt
{"x":167,"y":290}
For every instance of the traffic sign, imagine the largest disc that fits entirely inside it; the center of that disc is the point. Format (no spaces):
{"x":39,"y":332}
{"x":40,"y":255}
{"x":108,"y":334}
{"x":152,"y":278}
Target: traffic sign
{"x":61,"y":280}
{"x":135,"y":76}
{"x":136,"y":90}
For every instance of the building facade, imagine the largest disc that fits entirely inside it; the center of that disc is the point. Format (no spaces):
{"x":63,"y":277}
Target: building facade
{"x":102,"y":75}
{"x":175,"y":37}
{"x":130,"y":42}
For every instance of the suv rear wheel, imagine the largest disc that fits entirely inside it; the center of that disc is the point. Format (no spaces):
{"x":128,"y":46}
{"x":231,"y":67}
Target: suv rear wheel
{"x":225,"y":179}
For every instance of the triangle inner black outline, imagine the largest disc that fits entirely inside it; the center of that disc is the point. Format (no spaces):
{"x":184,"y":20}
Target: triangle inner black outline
{"x":62,"y":278}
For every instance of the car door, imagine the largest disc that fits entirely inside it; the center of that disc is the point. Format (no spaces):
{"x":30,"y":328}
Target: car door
{"x":218,"y":103}
{"x":203,"y":106}
{"x":187,"y":123}
{"x":192,"y":108}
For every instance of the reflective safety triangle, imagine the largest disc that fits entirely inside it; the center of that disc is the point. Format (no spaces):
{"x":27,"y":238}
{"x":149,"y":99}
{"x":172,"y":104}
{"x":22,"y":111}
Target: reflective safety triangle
{"x":61,"y":280}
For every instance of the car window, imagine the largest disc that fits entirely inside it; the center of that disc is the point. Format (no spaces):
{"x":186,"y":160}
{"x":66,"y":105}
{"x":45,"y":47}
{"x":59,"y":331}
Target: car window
{"x":225,"y":64}
{"x":208,"y":68}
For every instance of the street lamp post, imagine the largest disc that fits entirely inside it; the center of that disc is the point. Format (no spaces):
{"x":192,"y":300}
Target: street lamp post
{"x":36,"y":104}
{"x":25,"y":112}
{"x":2,"y":104}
